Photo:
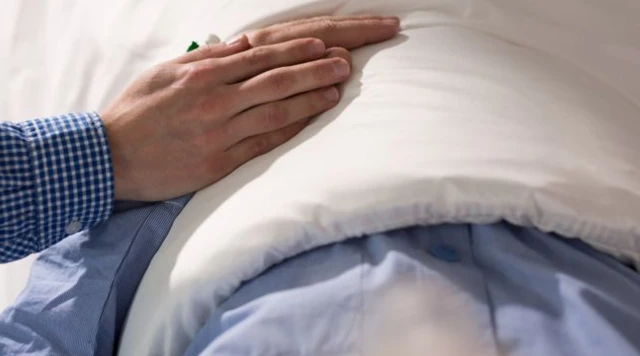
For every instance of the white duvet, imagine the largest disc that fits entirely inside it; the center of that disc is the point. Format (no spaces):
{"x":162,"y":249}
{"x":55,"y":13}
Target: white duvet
{"x":481,"y":110}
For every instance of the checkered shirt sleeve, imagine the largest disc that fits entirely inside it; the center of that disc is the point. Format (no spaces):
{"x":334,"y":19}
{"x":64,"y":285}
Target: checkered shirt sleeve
{"x":56,"y":178}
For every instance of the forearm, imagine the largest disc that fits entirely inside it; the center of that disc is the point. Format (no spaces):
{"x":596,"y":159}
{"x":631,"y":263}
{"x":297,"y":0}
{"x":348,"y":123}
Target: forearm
{"x":55,"y":179}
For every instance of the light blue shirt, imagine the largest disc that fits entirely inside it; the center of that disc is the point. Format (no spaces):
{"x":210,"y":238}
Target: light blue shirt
{"x":530,"y":293}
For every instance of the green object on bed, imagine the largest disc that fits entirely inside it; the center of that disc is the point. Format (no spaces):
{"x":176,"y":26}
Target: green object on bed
{"x":194,"y":45}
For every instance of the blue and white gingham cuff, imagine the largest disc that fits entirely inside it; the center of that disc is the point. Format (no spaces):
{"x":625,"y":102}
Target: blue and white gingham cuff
{"x":73,"y":175}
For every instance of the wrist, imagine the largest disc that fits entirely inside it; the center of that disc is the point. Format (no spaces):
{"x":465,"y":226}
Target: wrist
{"x":118,"y":152}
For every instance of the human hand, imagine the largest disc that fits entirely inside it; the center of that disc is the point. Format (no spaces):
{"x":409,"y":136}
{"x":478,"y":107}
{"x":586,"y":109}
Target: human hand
{"x":349,"y":32}
{"x":189,"y":122}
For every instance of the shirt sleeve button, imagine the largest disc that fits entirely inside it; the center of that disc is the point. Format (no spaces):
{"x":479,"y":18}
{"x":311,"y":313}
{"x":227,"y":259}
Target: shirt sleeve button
{"x":73,"y":227}
{"x":445,"y":253}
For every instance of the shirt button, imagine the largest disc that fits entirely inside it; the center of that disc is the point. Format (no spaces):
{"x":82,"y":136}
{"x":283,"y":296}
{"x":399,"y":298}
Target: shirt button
{"x":445,"y":253}
{"x":73,"y":227}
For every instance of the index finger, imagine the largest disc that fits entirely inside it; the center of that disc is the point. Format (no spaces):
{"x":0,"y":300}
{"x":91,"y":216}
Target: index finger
{"x":349,"y":32}
{"x":306,"y":20}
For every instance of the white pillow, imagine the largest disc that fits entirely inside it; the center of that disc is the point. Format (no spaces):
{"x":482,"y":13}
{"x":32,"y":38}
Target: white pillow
{"x":480,"y":111}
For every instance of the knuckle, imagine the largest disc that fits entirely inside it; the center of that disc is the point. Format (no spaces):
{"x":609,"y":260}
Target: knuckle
{"x":259,"y":58}
{"x":307,"y":46}
{"x":276,"y":115}
{"x":156,"y":71}
{"x":305,"y":42}
{"x":197,"y":72}
{"x":191,"y":73}
{"x":259,"y":37}
{"x":159,"y":76}
{"x":280,"y":82}
{"x":327,"y":24}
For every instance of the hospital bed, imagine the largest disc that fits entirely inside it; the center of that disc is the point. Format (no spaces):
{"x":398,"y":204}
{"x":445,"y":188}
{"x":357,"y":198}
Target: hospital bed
{"x":480,"y":111}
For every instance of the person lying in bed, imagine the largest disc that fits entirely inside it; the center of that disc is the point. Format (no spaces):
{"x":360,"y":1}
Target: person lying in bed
{"x":377,"y":295}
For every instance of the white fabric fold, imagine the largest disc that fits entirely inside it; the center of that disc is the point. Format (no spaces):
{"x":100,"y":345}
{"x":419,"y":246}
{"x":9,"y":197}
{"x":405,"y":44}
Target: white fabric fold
{"x":485,"y":110}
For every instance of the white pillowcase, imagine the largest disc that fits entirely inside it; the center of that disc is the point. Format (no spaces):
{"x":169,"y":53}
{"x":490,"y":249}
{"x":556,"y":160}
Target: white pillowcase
{"x":479,"y":111}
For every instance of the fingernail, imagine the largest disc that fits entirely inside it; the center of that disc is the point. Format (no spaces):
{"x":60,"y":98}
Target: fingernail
{"x":341,"y":68}
{"x":332,"y":94}
{"x":235,"y":41}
